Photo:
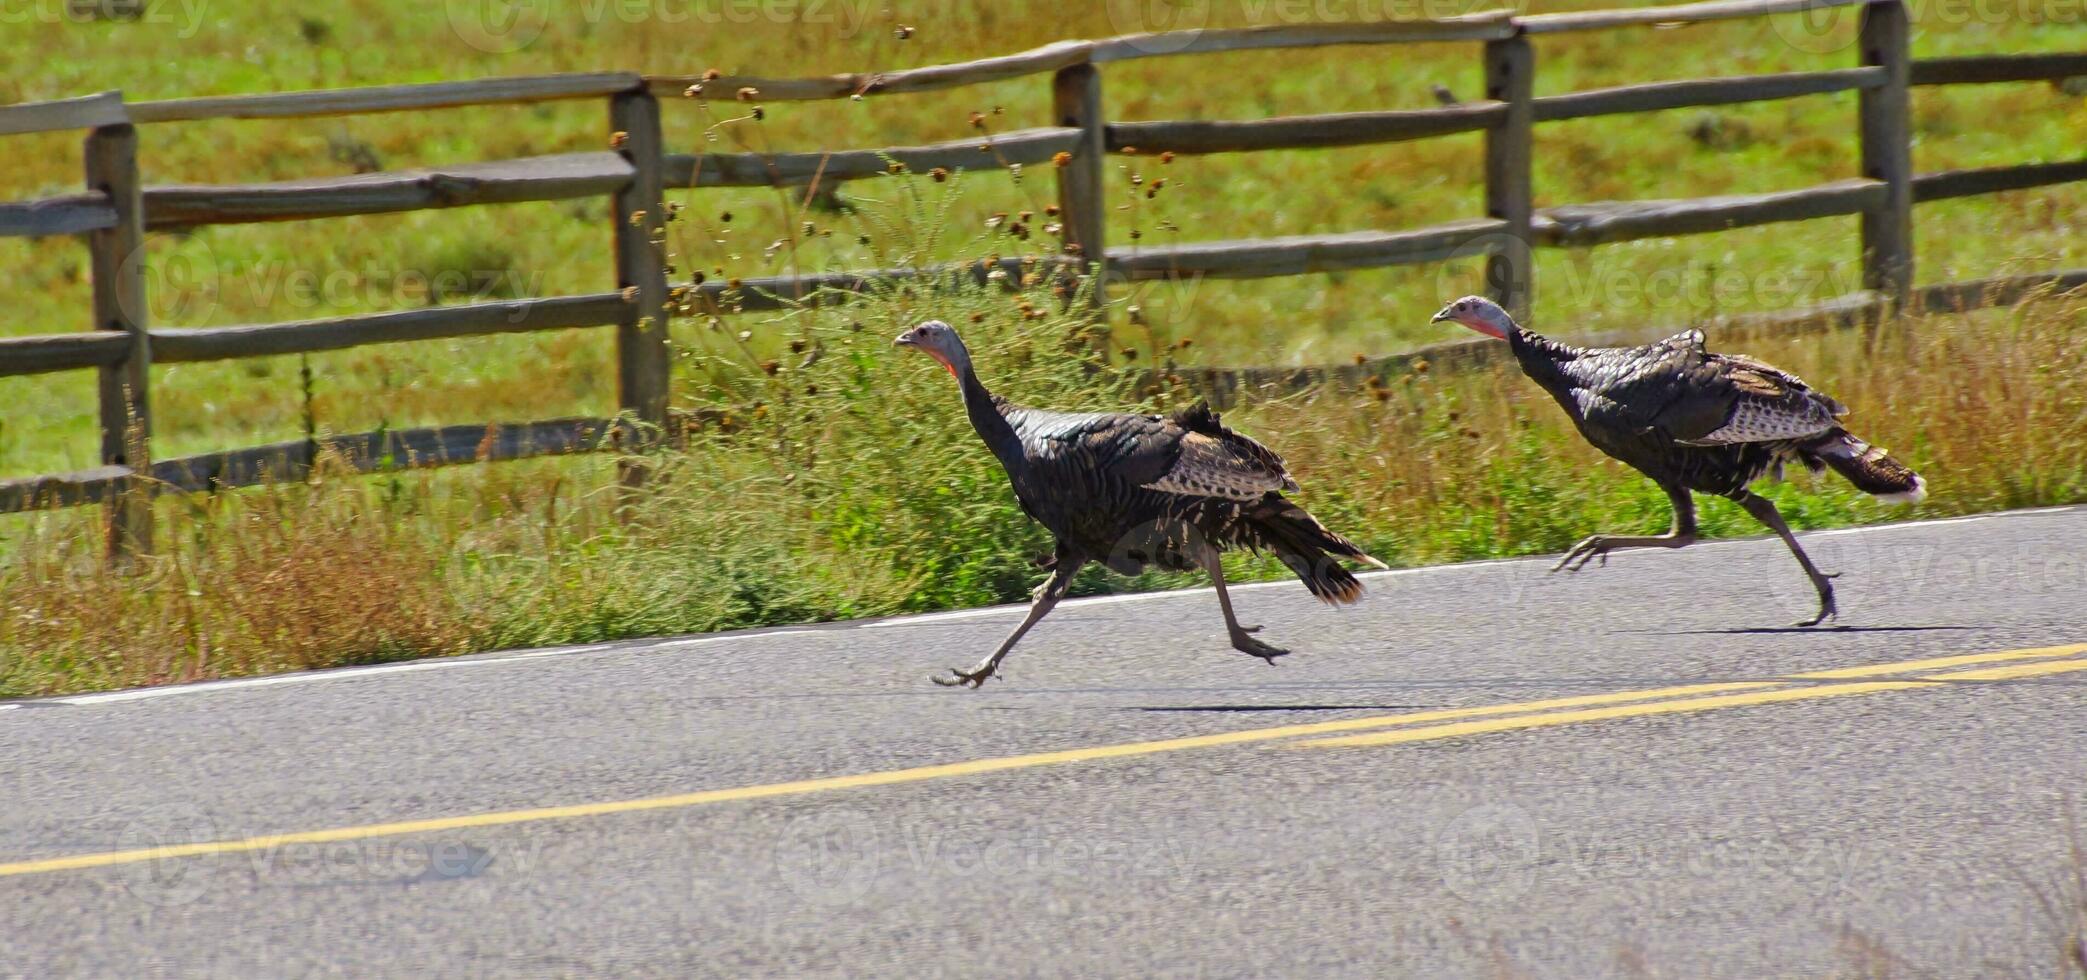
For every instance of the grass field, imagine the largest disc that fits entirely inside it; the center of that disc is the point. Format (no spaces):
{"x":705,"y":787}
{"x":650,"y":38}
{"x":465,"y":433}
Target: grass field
{"x":852,"y":487}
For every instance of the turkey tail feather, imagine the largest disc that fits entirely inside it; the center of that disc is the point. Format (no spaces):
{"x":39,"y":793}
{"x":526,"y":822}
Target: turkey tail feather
{"x":1307,"y":547}
{"x":1869,"y":468}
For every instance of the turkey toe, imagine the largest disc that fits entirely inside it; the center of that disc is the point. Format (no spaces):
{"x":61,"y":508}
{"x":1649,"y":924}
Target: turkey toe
{"x":1248,"y":645}
{"x":963,"y":678}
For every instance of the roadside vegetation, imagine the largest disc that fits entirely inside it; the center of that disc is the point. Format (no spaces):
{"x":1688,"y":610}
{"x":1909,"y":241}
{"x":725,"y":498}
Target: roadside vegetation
{"x":834,"y":479}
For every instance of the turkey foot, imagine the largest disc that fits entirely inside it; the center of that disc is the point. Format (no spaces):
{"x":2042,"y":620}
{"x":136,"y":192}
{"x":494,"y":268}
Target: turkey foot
{"x":1246,"y":644}
{"x":1826,"y":607}
{"x":1599,"y":546}
{"x":1765,"y":512}
{"x":975,"y":677}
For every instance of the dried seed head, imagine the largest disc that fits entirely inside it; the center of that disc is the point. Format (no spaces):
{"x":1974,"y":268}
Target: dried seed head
{"x":1167,"y":157}
{"x":1129,"y":353}
{"x":712,"y":74}
{"x":902,"y":32}
{"x":748,"y":94}
{"x":732,"y":283}
{"x":1051,"y":209}
{"x":693,"y":91}
{"x":771,"y":368}
{"x":725,"y":216}
{"x":1183,"y":343}
{"x":1130,"y":151}
{"x":630,"y":294}
{"x":978,"y":120}
{"x":1061,"y":159}
{"x":978,"y":318}
{"x":1135,"y":234}
{"x":1420,"y":367}
{"x":760,"y":113}
{"x":618,"y":140}
{"x":1361,"y":359}
{"x":939,"y":174}
{"x":895,"y":166}
{"x":797,"y":346}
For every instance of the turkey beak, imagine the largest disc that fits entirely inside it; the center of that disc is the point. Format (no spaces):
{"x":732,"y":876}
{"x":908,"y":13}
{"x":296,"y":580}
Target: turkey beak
{"x":1444,"y":315}
{"x":904,"y":340}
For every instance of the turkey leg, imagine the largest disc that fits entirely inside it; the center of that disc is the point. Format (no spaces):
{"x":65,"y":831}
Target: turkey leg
{"x":1681,"y":535}
{"x":1047,"y":596}
{"x":1242,"y":636}
{"x":1764,"y":511}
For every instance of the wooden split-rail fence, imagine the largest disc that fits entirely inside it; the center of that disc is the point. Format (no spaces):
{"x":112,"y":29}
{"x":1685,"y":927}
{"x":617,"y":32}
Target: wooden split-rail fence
{"x":116,"y":209}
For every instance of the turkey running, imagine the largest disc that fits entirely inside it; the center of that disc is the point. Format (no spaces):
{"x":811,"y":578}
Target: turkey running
{"x":1133,"y":490}
{"x":1697,"y":421}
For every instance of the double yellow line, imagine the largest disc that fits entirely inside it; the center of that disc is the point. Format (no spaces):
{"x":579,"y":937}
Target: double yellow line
{"x":1763,"y":692}
{"x":1420,"y":726}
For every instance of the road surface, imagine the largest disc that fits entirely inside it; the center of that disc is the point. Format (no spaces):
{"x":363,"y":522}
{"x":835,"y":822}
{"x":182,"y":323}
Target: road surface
{"x":1482,"y":770}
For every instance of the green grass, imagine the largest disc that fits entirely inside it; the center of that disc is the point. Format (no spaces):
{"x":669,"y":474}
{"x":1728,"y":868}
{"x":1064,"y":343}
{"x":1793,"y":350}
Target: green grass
{"x":851,"y":487}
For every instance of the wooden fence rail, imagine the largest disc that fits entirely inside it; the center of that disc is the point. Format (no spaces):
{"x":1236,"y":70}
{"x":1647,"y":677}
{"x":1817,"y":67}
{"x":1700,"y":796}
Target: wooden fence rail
{"x":114,"y":210}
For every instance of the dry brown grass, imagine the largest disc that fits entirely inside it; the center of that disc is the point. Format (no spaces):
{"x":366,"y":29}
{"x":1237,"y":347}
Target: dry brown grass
{"x":283,"y":579}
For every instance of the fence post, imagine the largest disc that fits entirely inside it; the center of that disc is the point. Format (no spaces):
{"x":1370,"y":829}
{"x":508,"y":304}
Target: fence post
{"x":1076,"y":101}
{"x":643,"y":358}
{"x":1511,"y":78}
{"x":117,"y":259}
{"x":1887,"y":153}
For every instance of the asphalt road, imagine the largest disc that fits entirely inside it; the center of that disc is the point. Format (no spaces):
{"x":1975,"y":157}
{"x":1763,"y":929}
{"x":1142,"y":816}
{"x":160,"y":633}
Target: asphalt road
{"x":1134,"y":797}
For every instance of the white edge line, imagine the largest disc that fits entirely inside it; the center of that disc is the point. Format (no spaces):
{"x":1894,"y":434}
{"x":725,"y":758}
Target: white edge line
{"x":641,"y":645}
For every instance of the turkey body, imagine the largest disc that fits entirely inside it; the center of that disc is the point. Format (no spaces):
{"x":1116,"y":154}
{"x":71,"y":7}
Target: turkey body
{"x":1137,"y":491}
{"x":1132,"y":491}
{"x":1695,"y":421}
{"x":1707,"y":422}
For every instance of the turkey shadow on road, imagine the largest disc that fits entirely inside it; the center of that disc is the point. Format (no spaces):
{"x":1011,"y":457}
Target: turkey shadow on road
{"x":1807,"y":629}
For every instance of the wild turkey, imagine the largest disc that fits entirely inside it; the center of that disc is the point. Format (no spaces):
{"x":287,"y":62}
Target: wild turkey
{"x":1137,"y":490}
{"x":1694,"y":420}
